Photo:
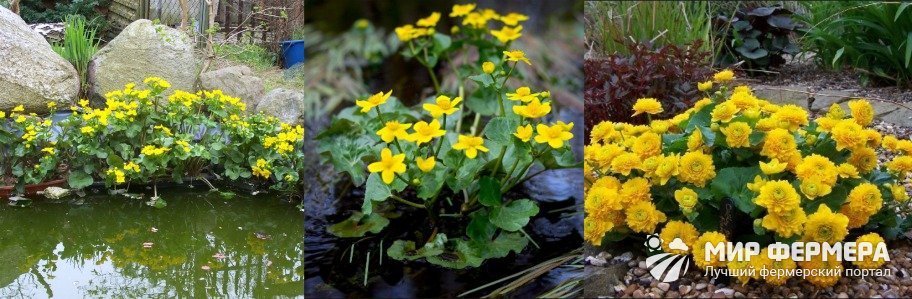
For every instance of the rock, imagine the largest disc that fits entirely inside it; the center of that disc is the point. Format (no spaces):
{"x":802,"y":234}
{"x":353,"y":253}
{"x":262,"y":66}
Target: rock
{"x":623,"y":258}
{"x":700,"y":286}
{"x":142,"y":50}
{"x":728,"y":292}
{"x":685,"y":289}
{"x":55,"y":192}
{"x":842,"y":295}
{"x":287,"y":105}
{"x":236,"y":81}
{"x":595,"y":261}
{"x":664,"y":286}
{"x":639,"y":271}
{"x":31,"y":73}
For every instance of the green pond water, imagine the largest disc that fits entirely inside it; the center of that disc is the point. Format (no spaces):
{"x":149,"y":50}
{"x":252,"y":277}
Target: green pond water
{"x":200,"y":245}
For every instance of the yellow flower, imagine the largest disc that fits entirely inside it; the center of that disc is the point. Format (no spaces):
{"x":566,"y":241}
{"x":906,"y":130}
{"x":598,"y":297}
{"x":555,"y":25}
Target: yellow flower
{"x":362,"y":23}
{"x":862,"y":112}
{"x":778,"y":197}
{"x":864,"y":159}
{"x":829,"y":271}
{"x":786,"y":223}
{"x":2,"y":115}
{"x":19,"y":108}
{"x":825,"y":226}
{"x":512,"y":19}
{"x":393,"y":130}
{"x":507,"y":34}
{"x":847,"y":171}
{"x":533,"y":109}
{"x":487,"y":67}
{"x":696,"y":168}
{"x":373,"y":101}
{"x":406,"y":33}
{"x":772,"y":167}
{"x":471,"y":145}
{"x":425,"y":132}
{"x":426,"y":164}
{"x":678,"y":230}
{"x":555,"y":135}
{"x":815,"y":167}
{"x":52,"y":105}
{"x":430,"y":21}
{"x":704,"y":86}
{"x":84,"y":103}
{"x":87,"y":130}
{"x":780,"y":144}
{"x":152,"y":151}
{"x":157,"y":82}
{"x":118,"y":175}
{"x":388,"y":166}
{"x":704,"y":258}
{"x":643,"y":217}
{"x":524,"y":133}
{"x":648,"y":106}
{"x":781,"y":268}
{"x":792,"y":116}
{"x":462,"y":9}
{"x":516,"y":55}
{"x":21,"y":119}
{"x":737,"y":134}
{"x":132,"y":167}
{"x":49,"y":150}
{"x":723,"y":76}
{"x":724,"y":112}
{"x":899,"y":192}
{"x":687,"y":199}
{"x":624,"y":163}
{"x":900,"y":165}
{"x":866,"y":198}
{"x":647,"y":145}
{"x":868,"y":261}
{"x":695,"y":141}
{"x":443,"y":106}
{"x":522,"y":94}
{"x":814,"y":188}
{"x":848,"y":135}
{"x":261,"y":169}
{"x":603,"y":198}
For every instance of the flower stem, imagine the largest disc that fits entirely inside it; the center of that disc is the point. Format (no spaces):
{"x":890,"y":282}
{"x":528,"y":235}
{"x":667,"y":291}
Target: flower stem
{"x":402,"y":200}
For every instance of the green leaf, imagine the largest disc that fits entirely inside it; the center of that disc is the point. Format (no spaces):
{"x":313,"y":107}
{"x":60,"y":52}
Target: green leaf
{"x":405,"y":250}
{"x":838,"y":54}
{"x":834,"y":200}
{"x":908,"y":47}
{"x":483,"y":79}
{"x":480,"y":228}
{"x":432,"y":182}
{"x":483,"y":101}
{"x":559,"y":159}
{"x":502,"y":246}
{"x":500,"y":129}
{"x":377,"y":190}
{"x":732,"y":182}
{"x":514,"y":216}
{"x":489,"y":192}
{"x":442,"y":42}
{"x":79,"y":180}
{"x":462,"y":256}
{"x":358,"y":224}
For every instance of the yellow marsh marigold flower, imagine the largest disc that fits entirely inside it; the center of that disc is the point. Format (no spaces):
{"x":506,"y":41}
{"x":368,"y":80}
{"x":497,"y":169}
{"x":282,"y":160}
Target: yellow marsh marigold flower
{"x":791,"y":117}
{"x":868,"y":261}
{"x":864,"y":159}
{"x":512,"y":19}
{"x":704,"y":86}
{"x":132,"y":167}
{"x":779,"y":144}
{"x":857,"y":218}
{"x":534,"y":109}
{"x":609,"y":182}
{"x":460,"y":10}
{"x":524,"y":133}
{"x":393,"y":130}
{"x":522,"y":94}
{"x":687,"y":199}
{"x":862,"y":112}
{"x":2,"y":115}
{"x":696,"y":168}
{"x":778,"y":197}
{"x":848,"y":135}
{"x":781,"y":268}
{"x":829,"y":271}
{"x":899,"y":192}
{"x":625,"y":162}
{"x":814,"y":188}
{"x":648,"y":106}
{"x":19,"y":108}
{"x":507,"y":34}
{"x":786,"y":223}
{"x":20,"y":119}
{"x":704,"y":258}
{"x":261,"y":169}
{"x":373,"y":101}
{"x":554,"y":135}
{"x":724,"y":76}
{"x":825,"y":226}
{"x":49,"y":150}
{"x":847,"y":171}
{"x":643,"y":217}
{"x":817,"y":167}
{"x":425,"y":132}
{"x":865,"y":197}
{"x":737,"y":134}
{"x":635,"y":190}
{"x":426,"y":164}
{"x":87,"y":130}
{"x":667,"y":168}
{"x":745,"y":101}
{"x":516,"y":55}
{"x":597,"y":225}
{"x":900,"y":165}
{"x":388,"y":166}
{"x":739,"y":269}
{"x":119,"y":176}
{"x":773,"y":167}
{"x":605,"y":197}
{"x":471,"y":145}
{"x":647,"y":145}
{"x":52,"y":105}
{"x":487,"y":67}
{"x":157,"y":82}
{"x":678,"y":230}
{"x":407,"y":32}
{"x":429,"y":21}
{"x":890,"y":142}
{"x":724,"y":112}
{"x":695,"y":141}
{"x":443,"y":106}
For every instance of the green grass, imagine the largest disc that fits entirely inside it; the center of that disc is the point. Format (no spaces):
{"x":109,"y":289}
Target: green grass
{"x":252,"y":55}
{"x":612,"y":23}
{"x":78,"y":46}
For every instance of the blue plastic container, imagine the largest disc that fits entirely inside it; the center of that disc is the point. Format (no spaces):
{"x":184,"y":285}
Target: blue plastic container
{"x":292,"y":52}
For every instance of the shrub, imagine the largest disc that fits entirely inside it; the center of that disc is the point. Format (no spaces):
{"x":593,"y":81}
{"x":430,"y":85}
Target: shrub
{"x":669,"y":73}
{"x":34,"y":11}
{"x":758,"y":36}
{"x":734,"y":158}
{"x":423,"y":158}
{"x":611,"y":25}
{"x":875,"y":38}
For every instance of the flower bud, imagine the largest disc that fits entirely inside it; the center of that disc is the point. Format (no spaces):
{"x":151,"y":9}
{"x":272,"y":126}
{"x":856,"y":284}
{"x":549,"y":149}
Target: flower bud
{"x":487,"y":67}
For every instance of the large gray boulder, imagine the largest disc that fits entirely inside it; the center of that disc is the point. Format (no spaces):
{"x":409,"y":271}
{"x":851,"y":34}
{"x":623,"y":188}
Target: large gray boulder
{"x":143,"y":50}
{"x":285,"y":104}
{"x":31,"y":73}
{"x":237,"y":81}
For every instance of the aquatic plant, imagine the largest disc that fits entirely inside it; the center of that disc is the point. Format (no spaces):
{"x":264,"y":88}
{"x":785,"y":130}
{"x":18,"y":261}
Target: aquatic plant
{"x":425,"y":160}
{"x":737,"y":167}
{"x":28,"y":149}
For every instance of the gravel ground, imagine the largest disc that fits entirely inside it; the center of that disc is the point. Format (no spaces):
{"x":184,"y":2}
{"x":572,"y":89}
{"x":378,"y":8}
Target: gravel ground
{"x":805,"y":73}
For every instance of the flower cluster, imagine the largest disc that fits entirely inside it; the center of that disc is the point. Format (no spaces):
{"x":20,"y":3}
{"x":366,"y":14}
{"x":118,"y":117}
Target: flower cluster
{"x":28,"y":145}
{"x":799,"y":179}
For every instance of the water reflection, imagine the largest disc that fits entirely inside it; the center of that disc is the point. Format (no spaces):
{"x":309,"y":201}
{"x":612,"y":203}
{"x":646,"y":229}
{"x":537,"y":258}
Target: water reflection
{"x":198,"y":246}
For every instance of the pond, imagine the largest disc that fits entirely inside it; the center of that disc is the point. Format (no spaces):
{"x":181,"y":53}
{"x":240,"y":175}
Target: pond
{"x":200,"y":245}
